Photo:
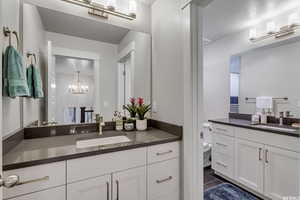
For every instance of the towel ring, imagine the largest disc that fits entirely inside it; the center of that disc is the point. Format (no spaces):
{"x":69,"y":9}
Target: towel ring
{"x":7,"y":33}
{"x":32,"y":55}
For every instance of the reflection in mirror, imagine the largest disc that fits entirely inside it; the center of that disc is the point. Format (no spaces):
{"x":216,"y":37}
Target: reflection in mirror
{"x":88,"y":67}
{"x":263,"y":73}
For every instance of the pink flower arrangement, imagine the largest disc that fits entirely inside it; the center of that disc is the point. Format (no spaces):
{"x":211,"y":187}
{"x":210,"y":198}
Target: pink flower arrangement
{"x":132,"y":100}
{"x":140,"y":101}
{"x":142,"y":109}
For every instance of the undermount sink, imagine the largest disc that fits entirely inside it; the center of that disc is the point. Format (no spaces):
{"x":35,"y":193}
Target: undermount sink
{"x":101,"y":141}
{"x":277,"y":128}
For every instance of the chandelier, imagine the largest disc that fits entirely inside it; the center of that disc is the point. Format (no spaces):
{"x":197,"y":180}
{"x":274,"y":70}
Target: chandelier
{"x":77,"y":87}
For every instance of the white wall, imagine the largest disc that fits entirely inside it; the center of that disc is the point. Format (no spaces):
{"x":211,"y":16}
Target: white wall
{"x":108,"y":66}
{"x":34,"y":41}
{"x":11,"y":107}
{"x":272,"y":72}
{"x":167,"y":70}
{"x":142,"y":22}
{"x":142,"y":71}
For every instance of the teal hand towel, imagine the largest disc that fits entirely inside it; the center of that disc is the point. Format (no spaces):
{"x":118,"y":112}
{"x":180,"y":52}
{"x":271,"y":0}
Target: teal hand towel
{"x":34,"y":82}
{"x":14,"y":79}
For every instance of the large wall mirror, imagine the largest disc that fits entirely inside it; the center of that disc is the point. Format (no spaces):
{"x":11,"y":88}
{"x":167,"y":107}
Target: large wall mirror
{"x":87,"y":66}
{"x":268,"y":71}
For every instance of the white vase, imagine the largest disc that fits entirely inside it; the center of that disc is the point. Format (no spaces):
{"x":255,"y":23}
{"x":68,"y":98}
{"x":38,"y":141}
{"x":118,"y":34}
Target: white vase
{"x":141,"y":125}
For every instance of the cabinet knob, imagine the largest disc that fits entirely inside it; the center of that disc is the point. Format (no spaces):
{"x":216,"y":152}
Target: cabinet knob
{"x":10,"y":181}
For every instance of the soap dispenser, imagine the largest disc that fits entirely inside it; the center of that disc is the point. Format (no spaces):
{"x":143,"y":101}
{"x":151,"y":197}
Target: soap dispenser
{"x":263,"y":117}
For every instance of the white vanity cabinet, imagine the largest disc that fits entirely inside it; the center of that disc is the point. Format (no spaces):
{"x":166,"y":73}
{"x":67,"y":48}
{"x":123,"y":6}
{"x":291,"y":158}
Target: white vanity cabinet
{"x":149,"y":173}
{"x":58,"y":193}
{"x":130,"y":184}
{"x":282,"y":173}
{"x":249,"y":164}
{"x":98,"y":188}
{"x":266,"y":163}
{"x":164,"y":172}
{"x":36,"y":178}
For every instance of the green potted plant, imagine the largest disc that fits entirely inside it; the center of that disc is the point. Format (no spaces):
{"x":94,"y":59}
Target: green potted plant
{"x":142,"y":110}
{"x":131,"y":108}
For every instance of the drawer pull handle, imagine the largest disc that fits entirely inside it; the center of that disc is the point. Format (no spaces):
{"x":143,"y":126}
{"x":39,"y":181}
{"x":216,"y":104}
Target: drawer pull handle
{"x":107,"y":190}
{"x":220,"y":144}
{"x":118,"y":189}
{"x":164,"y":180}
{"x":221,"y":164}
{"x":259,"y":154}
{"x":266,"y":156}
{"x":46,"y":178}
{"x":164,"y":153}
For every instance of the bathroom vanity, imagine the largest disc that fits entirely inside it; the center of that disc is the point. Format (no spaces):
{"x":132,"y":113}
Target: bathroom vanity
{"x":264,"y":160}
{"x":147,"y":167}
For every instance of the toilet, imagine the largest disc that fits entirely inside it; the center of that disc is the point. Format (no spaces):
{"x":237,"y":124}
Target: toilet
{"x":207,"y":144}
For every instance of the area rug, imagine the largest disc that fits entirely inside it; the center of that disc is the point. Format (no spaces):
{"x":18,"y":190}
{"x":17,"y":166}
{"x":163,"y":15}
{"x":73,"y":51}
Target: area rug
{"x":227,"y":191}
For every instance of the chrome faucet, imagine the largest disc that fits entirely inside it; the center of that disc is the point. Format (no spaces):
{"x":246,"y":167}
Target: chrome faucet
{"x":101,"y":123}
{"x":281,"y":115}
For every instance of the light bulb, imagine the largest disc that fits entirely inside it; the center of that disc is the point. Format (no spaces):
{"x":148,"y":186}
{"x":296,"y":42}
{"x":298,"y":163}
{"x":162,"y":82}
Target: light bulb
{"x":252,"y":34}
{"x":132,"y":8}
{"x":293,"y":19}
{"x":111,"y":5}
{"x":271,"y":27}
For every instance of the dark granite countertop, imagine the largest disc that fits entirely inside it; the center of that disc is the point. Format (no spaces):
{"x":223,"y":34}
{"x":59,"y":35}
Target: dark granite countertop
{"x":247,"y":124}
{"x":32,"y":152}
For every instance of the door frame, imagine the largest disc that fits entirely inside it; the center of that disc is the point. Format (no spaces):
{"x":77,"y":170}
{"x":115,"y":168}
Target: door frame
{"x":1,"y":128}
{"x":192,"y":21}
{"x":126,"y":53}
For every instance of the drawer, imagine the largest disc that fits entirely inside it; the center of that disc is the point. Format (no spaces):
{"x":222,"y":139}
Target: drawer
{"x":58,"y":193}
{"x":164,"y":180}
{"x":223,"y":144}
{"x":93,"y":166}
{"x":268,"y":138}
{"x":38,"y":178}
{"x":223,"y":129}
{"x":163,"y":152}
{"x":223,"y":164}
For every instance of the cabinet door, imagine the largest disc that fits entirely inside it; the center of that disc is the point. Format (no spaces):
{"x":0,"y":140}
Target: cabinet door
{"x":164,"y":180}
{"x":281,"y":173}
{"x":58,"y":193}
{"x":130,"y":184}
{"x":92,"y":189}
{"x":249,"y":168}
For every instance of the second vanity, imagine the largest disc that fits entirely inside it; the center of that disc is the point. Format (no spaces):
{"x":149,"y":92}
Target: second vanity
{"x":147,"y":167}
{"x":261,"y":160}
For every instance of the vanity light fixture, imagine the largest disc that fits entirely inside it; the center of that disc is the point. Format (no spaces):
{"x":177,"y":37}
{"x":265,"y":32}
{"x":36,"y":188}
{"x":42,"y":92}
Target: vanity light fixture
{"x":274,"y":32}
{"x":111,"y":5}
{"x":271,"y":27}
{"x":132,"y":8}
{"x":100,"y":10}
{"x":293,"y":19}
{"x":77,"y":87}
{"x":252,"y":33}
